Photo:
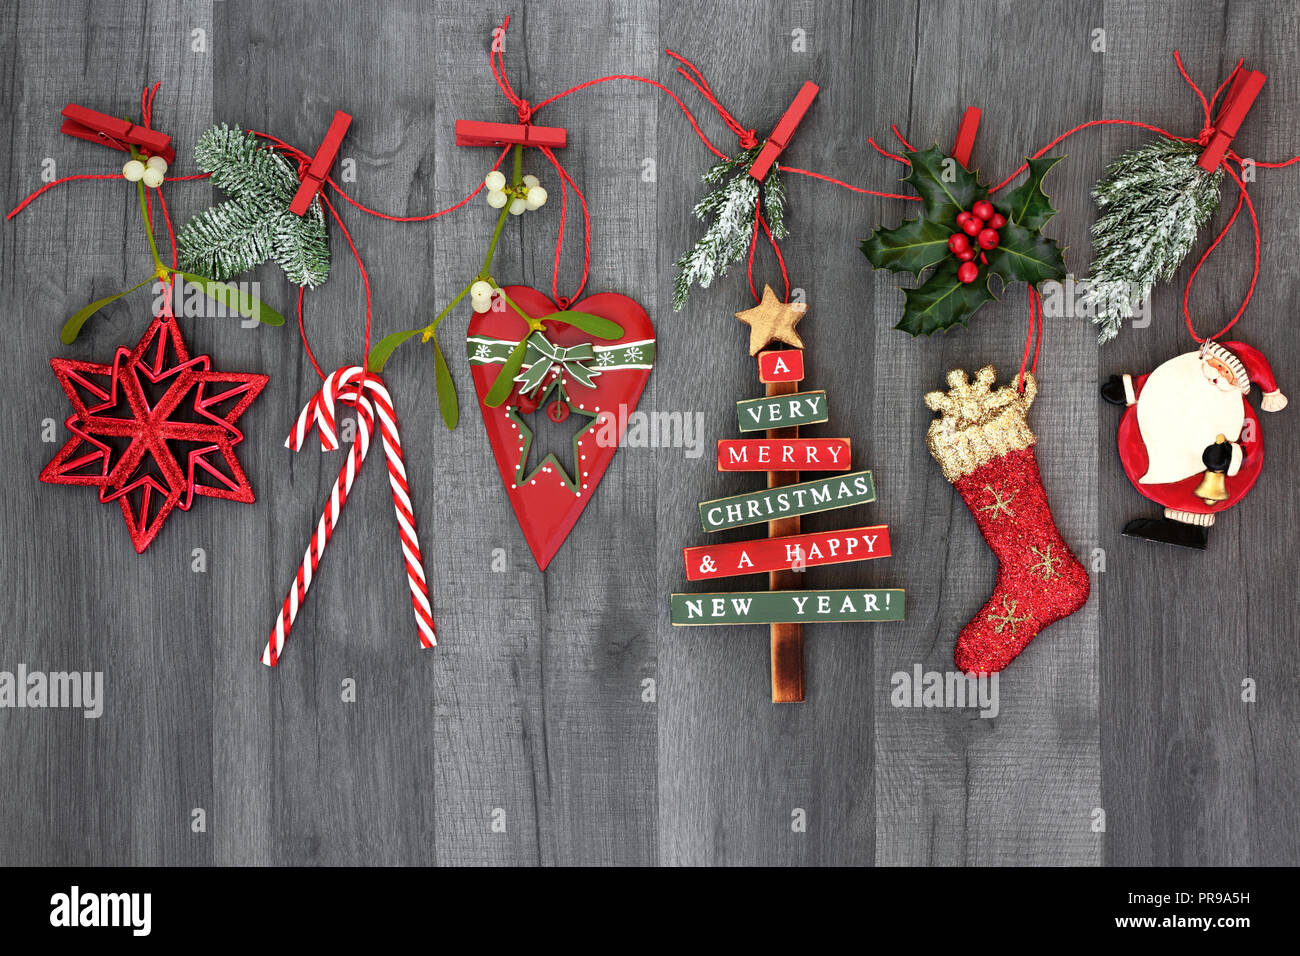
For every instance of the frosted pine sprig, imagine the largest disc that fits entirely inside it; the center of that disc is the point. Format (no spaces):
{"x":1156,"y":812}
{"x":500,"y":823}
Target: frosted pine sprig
{"x":255,"y":223}
{"x":730,"y":206}
{"x":1153,"y":201}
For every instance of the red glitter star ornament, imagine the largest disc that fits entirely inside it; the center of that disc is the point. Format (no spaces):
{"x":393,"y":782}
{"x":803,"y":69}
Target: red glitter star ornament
{"x":153,"y":429}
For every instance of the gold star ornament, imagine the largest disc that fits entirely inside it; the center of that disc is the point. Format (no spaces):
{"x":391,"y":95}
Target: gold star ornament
{"x":773,"y":321}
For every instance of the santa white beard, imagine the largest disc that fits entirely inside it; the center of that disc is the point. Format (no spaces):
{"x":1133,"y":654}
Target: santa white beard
{"x":1179,"y":412}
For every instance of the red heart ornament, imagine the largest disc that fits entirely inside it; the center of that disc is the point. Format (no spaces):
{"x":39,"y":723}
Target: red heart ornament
{"x":547,"y":498}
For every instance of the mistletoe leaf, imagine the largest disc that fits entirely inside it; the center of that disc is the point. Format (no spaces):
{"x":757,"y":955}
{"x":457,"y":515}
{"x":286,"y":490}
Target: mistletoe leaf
{"x":1027,"y":205}
{"x":913,"y":247}
{"x":382,"y":350}
{"x":505,"y":380}
{"x":445,"y":388}
{"x":945,"y":186}
{"x":1025,"y":255}
{"x":596,"y":325}
{"x":942,"y":301}
{"x":72,"y":327}
{"x":234,"y":299}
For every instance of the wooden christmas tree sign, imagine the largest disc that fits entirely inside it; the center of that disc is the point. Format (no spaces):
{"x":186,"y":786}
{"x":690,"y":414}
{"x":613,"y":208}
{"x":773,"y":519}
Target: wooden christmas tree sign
{"x":786,"y":552}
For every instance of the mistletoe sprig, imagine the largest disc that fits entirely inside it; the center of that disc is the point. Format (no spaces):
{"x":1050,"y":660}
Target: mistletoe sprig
{"x":144,"y":171}
{"x":950,"y":295}
{"x":514,"y":197}
{"x":732,"y":205}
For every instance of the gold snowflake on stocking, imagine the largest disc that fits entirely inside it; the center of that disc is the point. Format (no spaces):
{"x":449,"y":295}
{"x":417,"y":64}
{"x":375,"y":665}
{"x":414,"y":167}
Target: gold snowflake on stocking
{"x":1000,"y":505}
{"x":1009,"y":620}
{"x":1047,"y":564}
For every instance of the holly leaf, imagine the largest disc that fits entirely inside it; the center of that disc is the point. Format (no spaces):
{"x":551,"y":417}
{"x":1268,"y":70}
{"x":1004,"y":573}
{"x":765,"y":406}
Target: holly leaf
{"x":913,"y":247}
{"x":1025,"y":255}
{"x":943,"y":301}
{"x":945,"y":186}
{"x":1027,"y":205}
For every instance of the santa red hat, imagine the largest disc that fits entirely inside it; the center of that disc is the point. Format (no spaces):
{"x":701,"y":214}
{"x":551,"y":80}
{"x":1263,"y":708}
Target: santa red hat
{"x":1247,"y":363}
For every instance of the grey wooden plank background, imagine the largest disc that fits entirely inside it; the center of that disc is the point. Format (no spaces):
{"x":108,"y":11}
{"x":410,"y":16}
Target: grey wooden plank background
{"x":535,"y":708}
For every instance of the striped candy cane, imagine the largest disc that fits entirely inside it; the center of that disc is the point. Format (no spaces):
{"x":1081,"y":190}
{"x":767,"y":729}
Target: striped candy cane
{"x":371,"y":398}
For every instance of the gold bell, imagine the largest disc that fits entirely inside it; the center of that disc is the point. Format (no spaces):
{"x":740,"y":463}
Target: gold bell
{"x":1214,"y":484}
{"x":1213,"y":487}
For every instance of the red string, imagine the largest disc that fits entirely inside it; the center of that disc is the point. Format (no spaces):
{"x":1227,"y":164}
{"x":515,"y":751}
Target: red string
{"x":433,"y":215}
{"x":856,"y":189}
{"x":1035,"y":326}
{"x":899,"y":136}
{"x":694,"y":77}
{"x":1242,"y":196}
{"x":884,"y":152}
{"x":66,"y":179}
{"x":559,"y":239}
{"x":640,"y":79}
{"x":753,"y":242}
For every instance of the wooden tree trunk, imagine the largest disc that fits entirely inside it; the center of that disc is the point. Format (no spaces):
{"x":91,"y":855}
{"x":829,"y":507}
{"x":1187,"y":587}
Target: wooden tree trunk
{"x":787,"y":639}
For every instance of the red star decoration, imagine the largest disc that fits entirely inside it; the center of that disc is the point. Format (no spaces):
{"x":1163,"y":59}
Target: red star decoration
{"x":153,"y":429}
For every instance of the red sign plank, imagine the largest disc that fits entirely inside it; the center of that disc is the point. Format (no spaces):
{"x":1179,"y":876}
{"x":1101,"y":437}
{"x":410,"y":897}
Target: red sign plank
{"x":780,"y":365}
{"x":783,"y":454}
{"x":794,"y":552}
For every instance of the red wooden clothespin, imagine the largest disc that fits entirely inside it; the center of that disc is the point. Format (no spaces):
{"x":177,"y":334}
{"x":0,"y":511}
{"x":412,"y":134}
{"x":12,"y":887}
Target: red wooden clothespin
{"x":475,"y":133}
{"x":970,"y":124}
{"x":313,"y":178}
{"x":1240,"y":98}
{"x":114,"y":132}
{"x":784,"y":131}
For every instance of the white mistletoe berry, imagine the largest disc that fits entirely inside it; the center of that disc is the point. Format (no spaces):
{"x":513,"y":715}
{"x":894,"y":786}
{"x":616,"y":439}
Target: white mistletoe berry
{"x":517,"y":206}
{"x":531,"y":181}
{"x":480,"y":296}
{"x":133,"y":170}
{"x":152,"y":177}
{"x":536,"y":198}
{"x":158,"y":163}
{"x":496,"y":198}
{"x":495,"y":181}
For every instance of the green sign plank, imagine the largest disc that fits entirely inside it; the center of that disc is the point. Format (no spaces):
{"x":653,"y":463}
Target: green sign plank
{"x":788,"y":607}
{"x":781,"y":411}
{"x":804,"y":498}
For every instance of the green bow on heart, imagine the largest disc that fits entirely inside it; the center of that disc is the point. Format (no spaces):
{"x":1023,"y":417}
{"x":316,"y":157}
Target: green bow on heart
{"x":541,"y":356}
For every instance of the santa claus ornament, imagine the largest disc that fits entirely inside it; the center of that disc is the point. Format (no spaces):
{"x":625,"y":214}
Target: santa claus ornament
{"x":1189,"y":440}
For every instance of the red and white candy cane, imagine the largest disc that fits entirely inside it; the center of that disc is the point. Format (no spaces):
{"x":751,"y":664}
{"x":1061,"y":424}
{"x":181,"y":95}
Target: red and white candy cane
{"x":369,"y":396}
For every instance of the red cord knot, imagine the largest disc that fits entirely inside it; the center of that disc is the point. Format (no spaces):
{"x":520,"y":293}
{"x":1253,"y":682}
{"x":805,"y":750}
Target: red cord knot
{"x":524,"y":111}
{"x":748,"y":140}
{"x":563,"y":303}
{"x":1203,"y":137}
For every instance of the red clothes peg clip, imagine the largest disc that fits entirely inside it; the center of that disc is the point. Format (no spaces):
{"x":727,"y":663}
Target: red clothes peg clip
{"x":475,"y":133}
{"x":1240,"y":98}
{"x":97,"y":127}
{"x":314,"y":176}
{"x":970,"y":124}
{"x":784,"y":130}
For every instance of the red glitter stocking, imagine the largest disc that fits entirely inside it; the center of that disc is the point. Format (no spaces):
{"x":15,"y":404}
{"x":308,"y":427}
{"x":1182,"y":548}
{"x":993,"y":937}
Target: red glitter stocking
{"x":986,"y":450}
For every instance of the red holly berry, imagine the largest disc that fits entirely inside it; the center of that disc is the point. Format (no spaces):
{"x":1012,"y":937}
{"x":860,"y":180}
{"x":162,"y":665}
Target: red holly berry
{"x":996,"y":221}
{"x":972,"y":226}
{"x":968,"y":272}
{"x":966,"y":255}
{"x":987,"y":239}
{"x":958,"y":243}
{"x":983,"y":209}
{"x":961,"y":219}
